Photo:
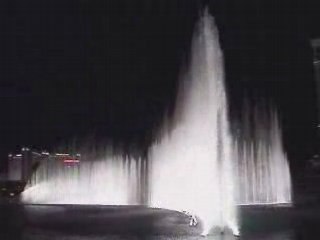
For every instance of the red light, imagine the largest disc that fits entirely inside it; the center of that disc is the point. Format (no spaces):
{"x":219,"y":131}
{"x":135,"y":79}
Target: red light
{"x":71,"y":161}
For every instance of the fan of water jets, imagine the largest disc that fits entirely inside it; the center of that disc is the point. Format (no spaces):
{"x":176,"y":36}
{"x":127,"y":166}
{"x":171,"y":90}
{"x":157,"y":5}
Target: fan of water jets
{"x":191,"y":167}
{"x":263,"y":170}
{"x":110,"y":180}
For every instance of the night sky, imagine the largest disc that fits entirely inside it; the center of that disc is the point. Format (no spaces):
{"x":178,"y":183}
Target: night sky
{"x":107,"y":70}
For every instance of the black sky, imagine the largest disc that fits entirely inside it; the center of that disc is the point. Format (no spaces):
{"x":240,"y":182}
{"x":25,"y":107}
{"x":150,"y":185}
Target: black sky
{"x":109,"y":68}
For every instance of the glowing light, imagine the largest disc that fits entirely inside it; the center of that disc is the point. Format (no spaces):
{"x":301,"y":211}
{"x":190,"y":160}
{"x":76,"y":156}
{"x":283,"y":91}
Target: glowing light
{"x":35,"y":153}
{"x":71,"y":161}
{"x":62,"y":154}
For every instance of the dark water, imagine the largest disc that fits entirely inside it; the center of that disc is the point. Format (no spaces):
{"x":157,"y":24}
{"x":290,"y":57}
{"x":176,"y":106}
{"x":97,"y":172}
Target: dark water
{"x":75,"y":222}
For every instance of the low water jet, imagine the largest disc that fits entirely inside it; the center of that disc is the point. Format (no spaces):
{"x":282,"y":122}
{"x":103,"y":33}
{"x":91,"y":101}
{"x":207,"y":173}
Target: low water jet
{"x":113,"y":180}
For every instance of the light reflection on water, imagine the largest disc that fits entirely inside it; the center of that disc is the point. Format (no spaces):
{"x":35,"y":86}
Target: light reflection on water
{"x":34,"y":222}
{"x":286,"y":235}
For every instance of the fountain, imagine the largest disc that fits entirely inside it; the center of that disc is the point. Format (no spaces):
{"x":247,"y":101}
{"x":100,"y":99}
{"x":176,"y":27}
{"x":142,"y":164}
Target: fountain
{"x":113,"y":180}
{"x":263,"y":170}
{"x":191,"y":166}
{"x":195,"y":165}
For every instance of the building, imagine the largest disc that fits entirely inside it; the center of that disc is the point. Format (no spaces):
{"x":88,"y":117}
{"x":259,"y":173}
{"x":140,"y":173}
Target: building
{"x":15,"y":166}
{"x":28,"y":168}
{"x":53,"y":166}
{"x":21,"y":165}
{"x":315,"y":43}
{"x":28,"y":165}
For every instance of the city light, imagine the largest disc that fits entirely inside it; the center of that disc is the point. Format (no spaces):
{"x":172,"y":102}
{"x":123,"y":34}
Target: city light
{"x":71,"y":161}
{"x":62,"y":154}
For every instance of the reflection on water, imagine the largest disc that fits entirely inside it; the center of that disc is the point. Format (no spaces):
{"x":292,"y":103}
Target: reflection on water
{"x":74,"y":222}
{"x":38,"y":236}
{"x":288,"y":235}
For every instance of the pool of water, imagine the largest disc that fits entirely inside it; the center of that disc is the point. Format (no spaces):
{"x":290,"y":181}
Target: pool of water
{"x":79,"y":222}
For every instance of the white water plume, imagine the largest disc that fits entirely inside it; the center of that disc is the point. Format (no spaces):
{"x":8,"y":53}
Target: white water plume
{"x":195,"y":164}
{"x":109,"y":181}
{"x":191,"y":167}
{"x":263,"y":169}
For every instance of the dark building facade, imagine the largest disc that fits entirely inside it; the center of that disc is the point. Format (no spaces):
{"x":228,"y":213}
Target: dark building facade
{"x":22,"y":165}
{"x":315,"y":43}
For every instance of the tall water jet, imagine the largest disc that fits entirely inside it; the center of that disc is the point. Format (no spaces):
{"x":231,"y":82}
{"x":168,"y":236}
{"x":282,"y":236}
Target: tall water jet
{"x":263,"y":169}
{"x":191,"y":165}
